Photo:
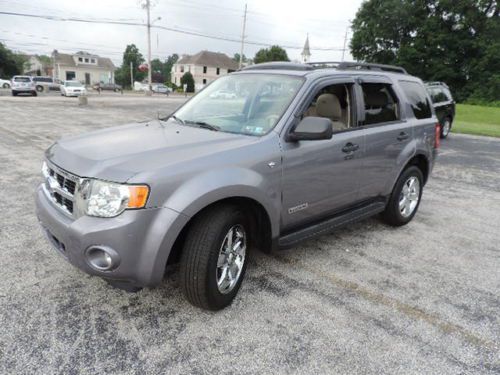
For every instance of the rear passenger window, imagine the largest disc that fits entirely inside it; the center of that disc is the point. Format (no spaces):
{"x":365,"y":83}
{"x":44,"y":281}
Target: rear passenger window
{"x":381,"y":104}
{"x":418,"y":99}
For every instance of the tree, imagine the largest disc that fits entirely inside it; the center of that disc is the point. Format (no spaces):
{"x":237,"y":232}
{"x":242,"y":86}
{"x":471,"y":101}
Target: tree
{"x":131,"y":55}
{"x":169,"y":64}
{"x":275,"y":53}
{"x":457,"y":42}
{"x":10,"y":63}
{"x":236,"y":57}
{"x":187,"y":79}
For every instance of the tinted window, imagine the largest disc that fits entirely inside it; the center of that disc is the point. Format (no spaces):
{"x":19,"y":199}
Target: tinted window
{"x":42,"y":79}
{"x":439,"y":94}
{"x":381,"y":104}
{"x":417,"y":96}
{"x":22,"y":79}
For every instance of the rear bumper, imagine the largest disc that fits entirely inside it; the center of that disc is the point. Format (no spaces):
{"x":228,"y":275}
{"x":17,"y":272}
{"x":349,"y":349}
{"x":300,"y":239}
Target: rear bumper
{"x":141,"y":238}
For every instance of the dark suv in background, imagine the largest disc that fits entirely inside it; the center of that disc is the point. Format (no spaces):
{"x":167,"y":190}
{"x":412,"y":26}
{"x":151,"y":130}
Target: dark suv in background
{"x":443,"y":104}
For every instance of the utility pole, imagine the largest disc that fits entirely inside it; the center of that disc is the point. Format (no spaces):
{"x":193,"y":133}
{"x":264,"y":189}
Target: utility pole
{"x":148,"y":6}
{"x":243,"y":36}
{"x":131,"y":75}
{"x":345,"y":42}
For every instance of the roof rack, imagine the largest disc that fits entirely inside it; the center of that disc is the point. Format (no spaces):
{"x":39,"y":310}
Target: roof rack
{"x":344,"y":65}
{"x":436,"y":83}
{"x":279,"y":65}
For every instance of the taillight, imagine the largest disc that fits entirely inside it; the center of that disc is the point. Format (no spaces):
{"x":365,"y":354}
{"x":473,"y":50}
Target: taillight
{"x":437,"y":138}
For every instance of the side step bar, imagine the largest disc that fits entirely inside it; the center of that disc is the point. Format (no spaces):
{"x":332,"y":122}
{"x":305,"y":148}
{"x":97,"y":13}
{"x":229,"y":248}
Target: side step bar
{"x":330,"y":224}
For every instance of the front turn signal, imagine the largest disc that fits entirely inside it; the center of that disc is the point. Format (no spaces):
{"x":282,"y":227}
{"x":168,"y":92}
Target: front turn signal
{"x":138,"y":196}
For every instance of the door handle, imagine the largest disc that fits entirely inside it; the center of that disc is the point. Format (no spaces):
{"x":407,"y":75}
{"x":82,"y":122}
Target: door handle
{"x":402,"y":136}
{"x":350,"y":147}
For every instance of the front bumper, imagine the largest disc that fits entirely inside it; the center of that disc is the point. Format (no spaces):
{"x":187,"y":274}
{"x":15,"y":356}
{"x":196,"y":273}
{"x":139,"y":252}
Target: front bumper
{"x":141,"y":238}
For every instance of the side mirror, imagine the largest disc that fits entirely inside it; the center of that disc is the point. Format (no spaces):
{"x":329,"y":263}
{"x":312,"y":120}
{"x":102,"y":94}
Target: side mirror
{"x":311,"y":129}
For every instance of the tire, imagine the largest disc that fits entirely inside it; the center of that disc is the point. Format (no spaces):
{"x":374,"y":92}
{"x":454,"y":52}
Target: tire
{"x":6,"y":86}
{"x":396,"y":216}
{"x":39,"y":88}
{"x":34,"y":93}
{"x":205,"y":263}
{"x":14,"y":93}
{"x":445,"y":127}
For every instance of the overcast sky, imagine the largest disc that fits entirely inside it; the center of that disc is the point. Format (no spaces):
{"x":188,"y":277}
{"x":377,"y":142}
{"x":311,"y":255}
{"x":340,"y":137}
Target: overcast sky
{"x":282,"y":22}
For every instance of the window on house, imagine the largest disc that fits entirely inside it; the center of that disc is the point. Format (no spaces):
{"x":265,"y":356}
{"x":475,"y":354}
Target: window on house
{"x":86,"y":60}
{"x":182,"y":68}
{"x":70,"y":75}
{"x":80,"y":59}
{"x":218,"y":71}
{"x":204,"y":70}
{"x":417,"y":96}
{"x":204,"y":81}
{"x":381,"y":104}
{"x":92,"y":61}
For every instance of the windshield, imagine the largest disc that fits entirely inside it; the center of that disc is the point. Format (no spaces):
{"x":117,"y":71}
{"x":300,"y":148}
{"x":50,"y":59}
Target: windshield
{"x":72,"y":84}
{"x":241,"y":103}
{"x":22,"y":79}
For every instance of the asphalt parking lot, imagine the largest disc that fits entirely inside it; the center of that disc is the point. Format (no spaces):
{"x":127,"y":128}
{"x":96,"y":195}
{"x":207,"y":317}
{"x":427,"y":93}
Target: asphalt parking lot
{"x":367,"y":299}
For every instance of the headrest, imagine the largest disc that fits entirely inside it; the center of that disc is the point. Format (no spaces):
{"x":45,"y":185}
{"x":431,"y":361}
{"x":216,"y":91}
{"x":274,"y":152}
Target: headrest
{"x":376,"y":99}
{"x":328,"y":105}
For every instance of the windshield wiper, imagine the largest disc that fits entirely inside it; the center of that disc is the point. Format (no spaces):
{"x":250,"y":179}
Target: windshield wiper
{"x":204,"y":125}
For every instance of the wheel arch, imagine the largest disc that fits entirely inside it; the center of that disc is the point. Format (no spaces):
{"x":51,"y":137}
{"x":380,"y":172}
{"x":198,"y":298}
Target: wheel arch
{"x":420,"y":161}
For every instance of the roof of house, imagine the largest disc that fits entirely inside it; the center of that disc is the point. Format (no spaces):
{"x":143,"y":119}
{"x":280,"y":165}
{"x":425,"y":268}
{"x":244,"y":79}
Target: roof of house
{"x":207,"y":58}
{"x":67,"y":60}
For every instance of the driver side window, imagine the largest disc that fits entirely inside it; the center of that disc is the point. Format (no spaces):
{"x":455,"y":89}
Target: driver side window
{"x":333,"y":102}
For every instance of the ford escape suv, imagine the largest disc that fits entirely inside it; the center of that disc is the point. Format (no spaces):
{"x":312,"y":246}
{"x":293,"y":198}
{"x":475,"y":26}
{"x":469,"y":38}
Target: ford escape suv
{"x":296,"y":152}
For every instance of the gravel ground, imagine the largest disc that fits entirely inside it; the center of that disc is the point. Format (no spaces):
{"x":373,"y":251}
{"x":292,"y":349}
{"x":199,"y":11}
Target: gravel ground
{"x":370,"y":299}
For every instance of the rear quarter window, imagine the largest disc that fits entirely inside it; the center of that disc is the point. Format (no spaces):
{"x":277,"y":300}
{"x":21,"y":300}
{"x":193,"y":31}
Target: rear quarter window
{"x":418,"y":99}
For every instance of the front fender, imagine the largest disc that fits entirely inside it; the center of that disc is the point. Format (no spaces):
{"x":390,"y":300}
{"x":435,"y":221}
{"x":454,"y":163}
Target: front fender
{"x":204,"y":189}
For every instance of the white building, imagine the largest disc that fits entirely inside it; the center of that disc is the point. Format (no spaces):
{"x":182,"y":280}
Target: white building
{"x":84,"y":67}
{"x":205,"y":67}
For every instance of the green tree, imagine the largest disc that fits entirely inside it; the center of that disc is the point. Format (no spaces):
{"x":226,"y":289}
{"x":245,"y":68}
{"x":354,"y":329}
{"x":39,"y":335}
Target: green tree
{"x":187,"y":79}
{"x":131,"y":55}
{"x":169,"y":63}
{"x":457,"y":42}
{"x":236,"y":57}
{"x":10,"y":63}
{"x":275,"y":53}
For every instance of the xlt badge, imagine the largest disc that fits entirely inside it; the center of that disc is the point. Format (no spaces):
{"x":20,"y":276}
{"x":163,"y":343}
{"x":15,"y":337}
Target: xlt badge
{"x":300,"y":207}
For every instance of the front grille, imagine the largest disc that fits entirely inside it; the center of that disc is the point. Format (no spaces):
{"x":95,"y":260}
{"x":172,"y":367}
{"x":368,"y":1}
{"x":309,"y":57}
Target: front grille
{"x":61,"y":186}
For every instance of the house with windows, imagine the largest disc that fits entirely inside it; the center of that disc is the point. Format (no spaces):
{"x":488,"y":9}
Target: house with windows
{"x":205,"y":67}
{"x":84,"y":67}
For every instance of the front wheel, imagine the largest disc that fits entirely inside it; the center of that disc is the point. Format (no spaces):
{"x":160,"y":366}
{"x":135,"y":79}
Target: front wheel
{"x":39,"y":88}
{"x":405,"y":198}
{"x":445,"y":127}
{"x":214,"y":258}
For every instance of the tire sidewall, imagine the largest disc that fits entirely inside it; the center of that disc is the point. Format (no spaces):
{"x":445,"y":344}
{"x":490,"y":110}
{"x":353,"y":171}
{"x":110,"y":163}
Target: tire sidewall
{"x":394,"y":201}
{"x":215,"y":298}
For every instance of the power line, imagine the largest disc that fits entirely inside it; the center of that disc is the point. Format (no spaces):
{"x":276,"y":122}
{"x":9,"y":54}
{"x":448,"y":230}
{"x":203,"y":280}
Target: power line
{"x":177,"y":30}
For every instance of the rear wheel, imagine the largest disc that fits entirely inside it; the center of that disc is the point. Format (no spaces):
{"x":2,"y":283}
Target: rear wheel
{"x":445,"y":127}
{"x":39,"y":88}
{"x":214,"y":258}
{"x":34,"y":93}
{"x":6,"y":86}
{"x":405,"y":198}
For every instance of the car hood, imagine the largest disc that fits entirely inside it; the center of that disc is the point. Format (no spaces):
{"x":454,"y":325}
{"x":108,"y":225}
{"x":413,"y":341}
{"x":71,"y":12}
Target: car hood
{"x":118,"y":153}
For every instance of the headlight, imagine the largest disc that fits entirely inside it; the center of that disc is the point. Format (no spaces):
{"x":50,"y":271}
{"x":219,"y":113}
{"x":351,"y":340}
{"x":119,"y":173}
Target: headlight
{"x":108,"y":199}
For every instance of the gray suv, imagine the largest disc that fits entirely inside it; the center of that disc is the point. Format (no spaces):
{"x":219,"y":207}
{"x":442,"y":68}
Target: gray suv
{"x":297,"y":151}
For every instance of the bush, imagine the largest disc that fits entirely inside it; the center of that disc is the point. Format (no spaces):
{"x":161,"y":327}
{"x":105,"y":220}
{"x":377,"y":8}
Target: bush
{"x":187,"y":79}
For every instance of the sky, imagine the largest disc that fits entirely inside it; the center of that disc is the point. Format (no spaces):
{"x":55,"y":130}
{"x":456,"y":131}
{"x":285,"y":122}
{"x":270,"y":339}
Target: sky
{"x":282,"y":22}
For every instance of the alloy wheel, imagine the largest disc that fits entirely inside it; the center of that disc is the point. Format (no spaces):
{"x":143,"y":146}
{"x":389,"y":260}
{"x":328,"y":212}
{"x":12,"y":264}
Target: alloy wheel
{"x":410,"y":194}
{"x":231,"y":259}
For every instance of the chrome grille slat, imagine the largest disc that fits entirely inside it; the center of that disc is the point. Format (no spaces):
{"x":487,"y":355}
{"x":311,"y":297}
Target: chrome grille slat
{"x":61,"y":187}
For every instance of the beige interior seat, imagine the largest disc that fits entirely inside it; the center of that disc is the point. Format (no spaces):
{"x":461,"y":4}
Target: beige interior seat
{"x":328,"y":105}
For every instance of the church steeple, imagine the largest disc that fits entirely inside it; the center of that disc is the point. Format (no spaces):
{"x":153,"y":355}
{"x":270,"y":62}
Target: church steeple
{"x":306,"y":52}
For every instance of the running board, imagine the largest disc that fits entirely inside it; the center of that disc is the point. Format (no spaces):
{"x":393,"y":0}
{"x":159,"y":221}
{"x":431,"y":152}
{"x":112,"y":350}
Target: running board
{"x":330,"y":224}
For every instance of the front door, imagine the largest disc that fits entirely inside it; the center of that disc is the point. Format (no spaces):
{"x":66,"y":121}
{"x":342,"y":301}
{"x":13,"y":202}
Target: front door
{"x":321,"y":177}
{"x":87,"y":79}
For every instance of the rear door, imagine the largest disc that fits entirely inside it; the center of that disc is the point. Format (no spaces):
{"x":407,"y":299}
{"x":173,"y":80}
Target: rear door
{"x":388,"y":135}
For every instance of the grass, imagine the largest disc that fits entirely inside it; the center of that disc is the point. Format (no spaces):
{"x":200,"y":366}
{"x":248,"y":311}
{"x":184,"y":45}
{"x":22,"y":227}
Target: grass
{"x":478,"y":120}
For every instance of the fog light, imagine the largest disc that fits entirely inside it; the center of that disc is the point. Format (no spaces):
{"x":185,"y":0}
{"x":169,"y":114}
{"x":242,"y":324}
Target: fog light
{"x":102,"y":258}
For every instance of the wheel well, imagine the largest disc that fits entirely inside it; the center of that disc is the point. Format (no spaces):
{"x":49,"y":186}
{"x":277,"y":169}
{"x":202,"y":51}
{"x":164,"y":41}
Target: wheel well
{"x":422,"y":163}
{"x":259,"y":224}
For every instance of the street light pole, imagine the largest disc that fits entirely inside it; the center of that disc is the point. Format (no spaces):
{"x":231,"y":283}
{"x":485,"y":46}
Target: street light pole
{"x":243,"y":36}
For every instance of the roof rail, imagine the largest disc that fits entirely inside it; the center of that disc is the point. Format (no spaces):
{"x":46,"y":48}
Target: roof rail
{"x":436,"y":83}
{"x":279,"y":65}
{"x":344,"y":65}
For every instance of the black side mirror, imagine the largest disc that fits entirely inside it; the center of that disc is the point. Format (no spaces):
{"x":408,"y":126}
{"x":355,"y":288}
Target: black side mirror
{"x":311,"y":129}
